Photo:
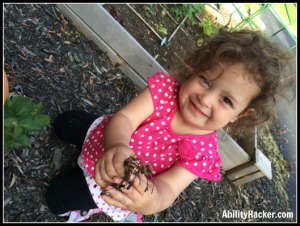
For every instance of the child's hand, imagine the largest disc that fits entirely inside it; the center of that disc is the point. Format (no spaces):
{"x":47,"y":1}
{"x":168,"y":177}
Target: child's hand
{"x":110,"y":164}
{"x":139,"y":198}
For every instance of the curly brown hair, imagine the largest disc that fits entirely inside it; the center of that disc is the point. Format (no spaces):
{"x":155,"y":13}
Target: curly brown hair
{"x":265,"y":61}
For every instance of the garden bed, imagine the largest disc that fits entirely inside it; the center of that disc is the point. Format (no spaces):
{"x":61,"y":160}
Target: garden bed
{"x":149,"y":24}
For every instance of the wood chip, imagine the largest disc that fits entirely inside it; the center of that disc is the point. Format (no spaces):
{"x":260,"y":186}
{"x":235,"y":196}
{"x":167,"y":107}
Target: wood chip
{"x":13,"y":180}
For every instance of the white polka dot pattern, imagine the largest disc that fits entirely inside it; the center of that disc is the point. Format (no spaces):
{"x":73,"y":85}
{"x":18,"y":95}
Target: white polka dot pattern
{"x":155,"y":143}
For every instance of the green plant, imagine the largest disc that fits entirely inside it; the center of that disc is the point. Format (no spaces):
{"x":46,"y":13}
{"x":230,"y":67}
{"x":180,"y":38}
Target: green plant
{"x":21,"y":116}
{"x":162,"y":29}
{"x":189,"y":10}
{"x":150,"y":10}
{"x":73,"y":57}
{"x":209,"y":28}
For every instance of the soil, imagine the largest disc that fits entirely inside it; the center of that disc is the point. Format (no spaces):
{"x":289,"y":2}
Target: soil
{"x":38,"y":44}
{"x":183,"y":40}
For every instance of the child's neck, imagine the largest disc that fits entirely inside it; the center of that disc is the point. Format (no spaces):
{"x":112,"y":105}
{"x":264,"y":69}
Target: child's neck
{"x":179,"y":126}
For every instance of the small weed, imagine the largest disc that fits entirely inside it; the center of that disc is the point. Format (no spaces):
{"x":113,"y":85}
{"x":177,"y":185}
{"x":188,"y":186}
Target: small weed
{"x":150,"y":10}
{"x":209,"y":27}
{"x":21,"y":116}
{"x":189,"y":10}
{"x":162,"y":29}
{"x":73,"y":57}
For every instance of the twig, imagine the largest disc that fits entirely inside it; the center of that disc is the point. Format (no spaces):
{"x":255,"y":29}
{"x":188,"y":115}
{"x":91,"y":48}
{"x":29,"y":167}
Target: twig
{"x":17,"y":164}
{"x":179,"y":25}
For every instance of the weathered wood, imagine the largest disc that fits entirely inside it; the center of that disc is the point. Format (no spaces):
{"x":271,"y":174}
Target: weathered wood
{"x":263,"y":163}
{"x":248,"y":178}
{"x":232,"y":154}
{"x":259,"y":164}
{"x":242,"y":170}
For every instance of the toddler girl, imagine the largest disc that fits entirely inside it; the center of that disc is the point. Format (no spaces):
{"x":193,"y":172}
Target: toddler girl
{"x":172,"y":125}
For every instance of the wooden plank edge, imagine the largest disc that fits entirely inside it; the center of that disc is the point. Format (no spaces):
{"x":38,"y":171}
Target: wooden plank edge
{"x":248,"y":178}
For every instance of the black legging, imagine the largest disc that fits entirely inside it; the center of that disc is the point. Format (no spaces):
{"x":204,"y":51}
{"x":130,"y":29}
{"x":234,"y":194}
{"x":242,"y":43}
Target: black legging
{"x":70,"y":192}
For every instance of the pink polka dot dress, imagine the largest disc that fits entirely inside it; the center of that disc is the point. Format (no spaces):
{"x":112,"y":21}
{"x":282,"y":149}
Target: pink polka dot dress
{"x":155,"y":143}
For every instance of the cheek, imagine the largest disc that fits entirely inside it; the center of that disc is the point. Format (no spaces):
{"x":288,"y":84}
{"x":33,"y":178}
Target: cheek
{"x":181,"y":95}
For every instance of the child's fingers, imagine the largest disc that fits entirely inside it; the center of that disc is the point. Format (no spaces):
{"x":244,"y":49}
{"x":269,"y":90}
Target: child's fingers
{"x":101,"y":176}
{"x":97,"y":175}
{"x":116,"y":198}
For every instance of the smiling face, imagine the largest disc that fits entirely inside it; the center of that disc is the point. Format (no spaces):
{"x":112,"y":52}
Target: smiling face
{"x":208,"y":103}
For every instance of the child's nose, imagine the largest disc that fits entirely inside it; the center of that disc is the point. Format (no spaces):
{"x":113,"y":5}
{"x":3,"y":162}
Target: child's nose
{"x":206,"y":99}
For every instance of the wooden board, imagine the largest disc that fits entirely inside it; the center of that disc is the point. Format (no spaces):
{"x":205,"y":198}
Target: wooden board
{"x":259,"y":164}
{"x":232,"y":154}
{"x":248,"y":178}
{"x":263,"y":163}
{"x":242,"y":170}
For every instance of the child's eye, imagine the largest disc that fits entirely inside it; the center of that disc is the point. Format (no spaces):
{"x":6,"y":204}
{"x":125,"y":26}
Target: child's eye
{"x":204,"y":81}
{"x":226,"y":100}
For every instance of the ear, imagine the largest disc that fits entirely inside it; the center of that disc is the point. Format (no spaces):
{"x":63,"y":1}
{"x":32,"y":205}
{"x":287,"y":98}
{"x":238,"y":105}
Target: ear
{"x":250,"y":111}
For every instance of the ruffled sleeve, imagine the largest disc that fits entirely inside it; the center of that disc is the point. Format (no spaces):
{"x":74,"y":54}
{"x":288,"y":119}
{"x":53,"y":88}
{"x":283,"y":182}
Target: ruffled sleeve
{"x":201,"y":158}
{"x":163,"y":87}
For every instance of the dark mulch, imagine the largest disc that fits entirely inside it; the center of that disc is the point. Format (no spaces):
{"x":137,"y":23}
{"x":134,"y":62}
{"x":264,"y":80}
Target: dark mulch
{"x":38,"y":44}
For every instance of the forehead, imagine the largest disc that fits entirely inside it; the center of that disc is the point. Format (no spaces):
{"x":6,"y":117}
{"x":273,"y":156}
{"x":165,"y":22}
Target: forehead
{"x":231,"y":72}
{"x":235,"y":81}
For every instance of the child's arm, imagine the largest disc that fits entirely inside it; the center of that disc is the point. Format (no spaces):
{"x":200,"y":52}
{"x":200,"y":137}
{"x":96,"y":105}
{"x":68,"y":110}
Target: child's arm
{"x":167,"y":187}
{"x":117,"y":137}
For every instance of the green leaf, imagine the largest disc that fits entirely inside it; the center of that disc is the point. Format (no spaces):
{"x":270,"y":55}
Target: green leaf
{"x":76,"y":58}
{"x":71,"y":57}
{"x":10,"y":122}
{"x":36,"y":109}
{"x":11,"y":142}
{"x":29,"y":125}
{"x":8,"y":131}
{"x":18,"y":131}
{"x":8,"y":111}
{"x":42,"y":120}
{"x":21,"y":116}
{"x":21,"y":105}
{"x":23,"y":140}
{"x":11,"y":102}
